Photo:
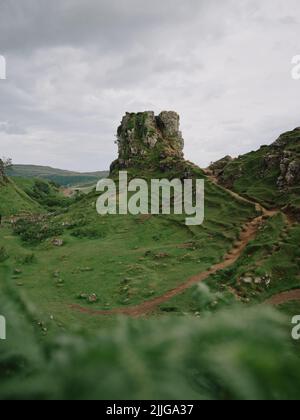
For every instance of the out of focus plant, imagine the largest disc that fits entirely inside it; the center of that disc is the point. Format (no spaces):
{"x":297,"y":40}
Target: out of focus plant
{"x":233,"y":354}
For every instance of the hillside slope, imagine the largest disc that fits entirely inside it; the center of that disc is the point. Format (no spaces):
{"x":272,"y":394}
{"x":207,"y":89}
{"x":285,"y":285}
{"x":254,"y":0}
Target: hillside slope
{"x":13,"y":199}
{"x":124,"y":260}
{"x":61,"y":177}
{"x":270,"y":175}
{"x":212,"y":338}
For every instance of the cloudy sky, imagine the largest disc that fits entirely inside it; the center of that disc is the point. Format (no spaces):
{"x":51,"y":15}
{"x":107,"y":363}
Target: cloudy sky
{"x":74,"y":67}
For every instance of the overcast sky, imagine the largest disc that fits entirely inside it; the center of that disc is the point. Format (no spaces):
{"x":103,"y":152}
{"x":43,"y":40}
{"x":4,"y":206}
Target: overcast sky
{"x":74,"y":67}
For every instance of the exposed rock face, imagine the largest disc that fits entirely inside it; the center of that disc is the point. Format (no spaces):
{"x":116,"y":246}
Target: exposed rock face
{"x":146,"y":138}
{"x":2,"y":172}
{"x":284,"y":158}
{"x":290,"y":173}
{"x":218,"y":167}
{"x":281,"y":159}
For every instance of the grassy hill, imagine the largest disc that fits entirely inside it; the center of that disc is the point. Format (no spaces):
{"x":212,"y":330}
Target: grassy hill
{"x":46,"y":193}
{"x":201,"y":340}
{"x":14,"y":200}
{"x":59,"y":176}
{"x":270,"y":175}
{"x":66,"y":278}
{"x":32,"y":195}
{"x":123,"y":259}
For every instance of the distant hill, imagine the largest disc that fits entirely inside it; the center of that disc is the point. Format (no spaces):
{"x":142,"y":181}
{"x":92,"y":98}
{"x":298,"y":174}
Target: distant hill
{"x":61,"y":177}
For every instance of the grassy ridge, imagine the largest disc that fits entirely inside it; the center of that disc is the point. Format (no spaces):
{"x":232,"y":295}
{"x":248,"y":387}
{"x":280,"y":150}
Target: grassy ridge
{"x":221,"y":353}
{"x":14,"y":200}
{"x":59,"y":176}
{"x":256,"y":174}
{"x":124,"y":260}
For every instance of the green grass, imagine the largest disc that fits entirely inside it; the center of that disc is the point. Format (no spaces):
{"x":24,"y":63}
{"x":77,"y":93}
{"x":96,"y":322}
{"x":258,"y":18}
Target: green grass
{"x":250,"y":175}
{"x":47,"y":194}
{"x":14,"y":200}
{"x":131,"y":258}
{"x":232,"y":355}
{"x":222,"y":351}
{"x":274,"y":253}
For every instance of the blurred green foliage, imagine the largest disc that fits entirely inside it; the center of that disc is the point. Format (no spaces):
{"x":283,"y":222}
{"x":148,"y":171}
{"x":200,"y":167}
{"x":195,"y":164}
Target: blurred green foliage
{"x":233,"y":354}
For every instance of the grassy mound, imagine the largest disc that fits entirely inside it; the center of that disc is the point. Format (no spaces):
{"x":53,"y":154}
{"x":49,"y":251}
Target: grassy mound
{"x":270,"y":175}
{"x":14,"y":200}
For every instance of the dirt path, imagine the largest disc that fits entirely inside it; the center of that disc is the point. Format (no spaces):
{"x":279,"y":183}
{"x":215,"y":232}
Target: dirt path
{"x":67,"y":192}
{"x":284,"y":297}
{"x":249,"y":233}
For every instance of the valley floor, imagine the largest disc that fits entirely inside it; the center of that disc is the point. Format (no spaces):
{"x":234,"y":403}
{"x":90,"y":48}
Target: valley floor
{"x":140,"y":266}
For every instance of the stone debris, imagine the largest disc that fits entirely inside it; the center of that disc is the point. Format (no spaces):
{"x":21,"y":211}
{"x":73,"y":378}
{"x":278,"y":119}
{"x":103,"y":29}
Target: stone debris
{"x":57,"y":242}
{"x":93,"y":298}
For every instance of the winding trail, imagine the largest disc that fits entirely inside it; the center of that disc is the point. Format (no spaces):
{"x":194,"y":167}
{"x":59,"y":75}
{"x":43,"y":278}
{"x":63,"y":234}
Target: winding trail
{"x":249,"y":233}
{"x":284,"y":297}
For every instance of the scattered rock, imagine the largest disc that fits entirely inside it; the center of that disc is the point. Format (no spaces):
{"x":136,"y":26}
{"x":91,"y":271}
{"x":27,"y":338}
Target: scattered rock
{"x":83,"y":296}
{"x":57,"y":242}
{"x":267,"y":281}
{"x":218,"y":167}
{"x":59,"y":281}
{"x":93,"y":298}
{"x":162,"y":255}
{"x":247,"y":280}
{"x":258,"y":280}
{"x":86,"y":269}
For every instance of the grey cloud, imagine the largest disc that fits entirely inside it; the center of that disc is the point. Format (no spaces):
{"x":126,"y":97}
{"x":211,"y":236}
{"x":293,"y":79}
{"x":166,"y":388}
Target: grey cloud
{"x":11,"y":128}
{"x":40,"y":23}
{"x":76,"y":66}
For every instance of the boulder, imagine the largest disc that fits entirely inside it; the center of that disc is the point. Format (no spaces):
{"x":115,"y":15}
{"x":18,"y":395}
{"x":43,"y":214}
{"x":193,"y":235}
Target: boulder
{"x":57,"y":242}
{"x":247,"y":280}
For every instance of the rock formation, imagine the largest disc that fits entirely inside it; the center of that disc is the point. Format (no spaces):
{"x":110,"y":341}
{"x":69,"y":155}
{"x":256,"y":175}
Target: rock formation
{"x":218,"y":167}
{"x":288,"y":159}
{"x":282,"y":158}
{"x":146,"y":139}
{"x":2,"y":173}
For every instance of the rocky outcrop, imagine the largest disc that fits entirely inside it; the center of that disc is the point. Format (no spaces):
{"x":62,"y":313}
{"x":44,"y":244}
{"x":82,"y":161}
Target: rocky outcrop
{"x":218,"y":167}
{"x":3,"y":178}
{"x":279,"y":162}
{"x":284,"y":156}
{"x":146,"y":139}
{"x":290,"y":173}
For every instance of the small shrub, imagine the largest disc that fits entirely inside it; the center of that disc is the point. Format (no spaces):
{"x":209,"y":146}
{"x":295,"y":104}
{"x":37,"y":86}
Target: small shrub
{"x":3,"y":254}
{"x":28,"y":259}
{"x":87,"y":232}
{"x":36,"y":232}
